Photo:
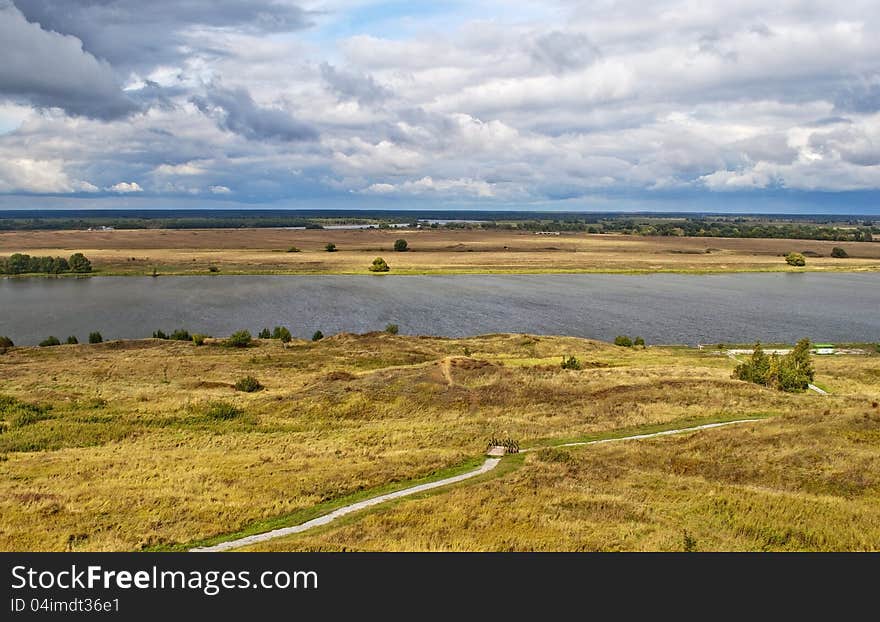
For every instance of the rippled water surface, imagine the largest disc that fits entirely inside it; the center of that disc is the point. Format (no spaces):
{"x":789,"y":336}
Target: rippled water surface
{"x":664,"y":308}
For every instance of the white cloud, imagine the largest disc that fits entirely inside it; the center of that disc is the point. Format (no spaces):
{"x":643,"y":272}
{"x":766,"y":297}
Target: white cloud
{"x":38,"y":176}
{"x":124,"y":187}
{"x":220,"y":190}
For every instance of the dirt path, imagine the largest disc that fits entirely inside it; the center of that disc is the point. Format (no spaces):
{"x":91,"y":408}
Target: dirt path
{"x":487,"y":466}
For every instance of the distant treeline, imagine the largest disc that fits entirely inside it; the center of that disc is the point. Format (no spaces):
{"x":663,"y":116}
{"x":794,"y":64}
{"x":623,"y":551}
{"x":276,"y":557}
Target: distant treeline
{"x":25,"y":264}
{"x":809,"y":227}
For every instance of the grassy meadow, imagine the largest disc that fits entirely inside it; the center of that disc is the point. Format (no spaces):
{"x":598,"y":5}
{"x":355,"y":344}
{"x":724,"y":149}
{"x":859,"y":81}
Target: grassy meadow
{"x":146,"y":444}
{"x":441,"y":251}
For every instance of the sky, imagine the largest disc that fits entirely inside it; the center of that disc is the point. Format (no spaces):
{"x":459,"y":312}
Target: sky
{"x":671,"y":105}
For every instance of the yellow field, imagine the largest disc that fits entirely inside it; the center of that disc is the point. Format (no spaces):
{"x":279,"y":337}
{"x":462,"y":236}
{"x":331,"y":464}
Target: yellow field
{"x":129,"y":455}
{"x":264,"y":251}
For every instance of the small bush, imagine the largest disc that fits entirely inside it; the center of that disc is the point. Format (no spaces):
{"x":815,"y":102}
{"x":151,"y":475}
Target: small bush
{"x":5,"y":342}
{"x":50,"y":341}
{"x":570,"y":362}
{"x":638,"y":341}
{"x":293,"y":249}
{"x":795,"y":259}
{"x":248,"y":384}
{"x":95,"y":337}
{"x":282,"y":333}
{"x":379,"y":265}
{"x":222,"y":411}
{"x":317,"y":336}
{"x":264,"y":334}
{"x":213,"y":269}
{"x":689,"y":543}
{"x":401,"y":245}
{"x":623,"y":341}
{"x":158,"y":334}
{"x":180,"y":335}
{"x":839,"y":253}
{"x":392,"y":329}
{"x":199,"y":340}
{"x":239,"y":339}
{"x":330,"y":247}
{"x":72,"y":340}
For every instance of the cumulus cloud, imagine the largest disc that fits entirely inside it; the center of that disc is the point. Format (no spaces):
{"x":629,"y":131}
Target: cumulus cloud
{"x":52,"y":70}
{"x":125,"y":187}
{"x":235,"y":111}
{"x":551,"y":104}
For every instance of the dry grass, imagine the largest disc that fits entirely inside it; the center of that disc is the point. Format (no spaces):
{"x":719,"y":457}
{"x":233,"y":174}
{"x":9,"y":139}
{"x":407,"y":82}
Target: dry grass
{"x":242,"y":251}
{"x":130,"y":455}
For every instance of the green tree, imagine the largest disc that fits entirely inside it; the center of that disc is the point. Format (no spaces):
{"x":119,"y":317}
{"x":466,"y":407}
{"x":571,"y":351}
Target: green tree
{"x":317,"y":336}
{"x":50,"y":341}
{"x":330,"y":247}
{"x":159,"y":334}
{"x":95,"y":337}
{"x":239,"y":339}
{"x":570,"y":362}
{"x":264,"y":334}
{"x":638,"y":341}
{"x":392,"y":329}
{"x":5,"y":342}
{"x":379,"y":265}
{"x":839,"y":253}
{"x":623,"y":341}
{"x":795,"y":259}
{"x":756,"y":369}
{"x":79,"y":263}
{"x":72,"y":340}
{"x":401,"y":245}
{"x":199,"y":340}
{"x":282,"y":333}
{"x":180,"y":334}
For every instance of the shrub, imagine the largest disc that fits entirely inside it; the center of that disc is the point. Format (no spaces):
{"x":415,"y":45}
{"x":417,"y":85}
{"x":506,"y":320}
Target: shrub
{"x":379,"y":265}
{"x":72,"y":340}
{"x":222,"y":411}
{"x":5,"y":342}
{"x":214,"y":269}
{"x":317,"y":336}
{"x":549,"y":454}
{"x":392,"y":329}
{"x":264,"y":334}
{"x":293,"y":249}
{"x":282,"y":333}
{"x":570,"y":362}
{"x":638,"y":341}
{"x":330,"y":247}
{"x":18,"y":413}
{"x":79,"y":263}
{"x":50,"y":341}
{"x":401,"y":245}
{"x":756,"y":369}
{"x":248,"y":384}
{"x":839,"y":253}
{"x":239,"y":339}
{"x":199,"y":340}
{"x":158,"y":334}
{"x":95,"y":337}
{"x":623,"y":341}
{"x":180,"y":334}
{"x":795,"y":259}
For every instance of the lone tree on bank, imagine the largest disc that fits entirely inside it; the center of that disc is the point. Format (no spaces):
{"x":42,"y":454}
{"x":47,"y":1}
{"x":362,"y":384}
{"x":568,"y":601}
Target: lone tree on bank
{"x":795,"y":259}
{"x":379,"y":265}
{"x":401,"y":245}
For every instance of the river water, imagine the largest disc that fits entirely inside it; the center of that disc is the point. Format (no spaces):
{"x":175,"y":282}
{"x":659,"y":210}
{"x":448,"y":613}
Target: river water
{"x":663,"y":308}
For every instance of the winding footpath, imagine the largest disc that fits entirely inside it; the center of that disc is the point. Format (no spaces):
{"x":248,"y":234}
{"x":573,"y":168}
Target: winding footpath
{"x":487,"y":466}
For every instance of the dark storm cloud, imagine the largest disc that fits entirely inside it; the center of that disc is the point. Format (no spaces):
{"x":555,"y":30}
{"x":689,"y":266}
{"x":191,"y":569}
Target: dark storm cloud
{"x":234,"y":110}
{"x":350,"y":85}
{"x":52,"y":70}
{"x":135,"y":33}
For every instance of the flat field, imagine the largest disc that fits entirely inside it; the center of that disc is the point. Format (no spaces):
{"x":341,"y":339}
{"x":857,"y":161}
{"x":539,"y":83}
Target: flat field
{"x":265,"y":251}
{"x":146,"y":444}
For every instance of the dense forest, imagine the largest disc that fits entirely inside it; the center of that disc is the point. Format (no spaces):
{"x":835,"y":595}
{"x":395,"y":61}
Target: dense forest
{"x":808,"y":227}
